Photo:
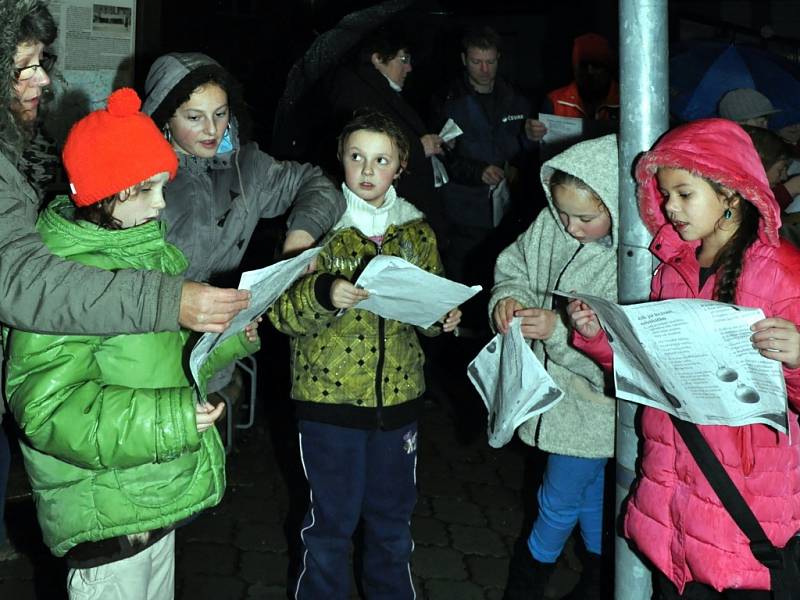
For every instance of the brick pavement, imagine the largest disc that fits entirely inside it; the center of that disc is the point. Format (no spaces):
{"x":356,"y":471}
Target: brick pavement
{"x":470,"y":511}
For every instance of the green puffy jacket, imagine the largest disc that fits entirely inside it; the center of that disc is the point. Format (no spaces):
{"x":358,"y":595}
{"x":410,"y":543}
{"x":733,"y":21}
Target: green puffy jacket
{"x":355,"y":368}
{"x":111,"y":444}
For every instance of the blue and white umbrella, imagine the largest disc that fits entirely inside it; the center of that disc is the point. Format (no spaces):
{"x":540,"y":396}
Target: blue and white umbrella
{"x":700,"y":73}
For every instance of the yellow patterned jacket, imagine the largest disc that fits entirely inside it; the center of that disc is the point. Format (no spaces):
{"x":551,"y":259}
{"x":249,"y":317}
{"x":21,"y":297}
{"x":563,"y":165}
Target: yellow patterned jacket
{"x":355,"y":368}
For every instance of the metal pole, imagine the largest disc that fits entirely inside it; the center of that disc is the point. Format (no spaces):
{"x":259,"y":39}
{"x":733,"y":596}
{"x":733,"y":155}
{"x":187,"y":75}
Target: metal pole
{"x":644,"y":117}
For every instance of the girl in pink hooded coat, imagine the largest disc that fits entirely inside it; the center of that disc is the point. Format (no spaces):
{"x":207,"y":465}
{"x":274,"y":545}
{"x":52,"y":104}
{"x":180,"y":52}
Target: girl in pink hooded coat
{"x":704,"y":195}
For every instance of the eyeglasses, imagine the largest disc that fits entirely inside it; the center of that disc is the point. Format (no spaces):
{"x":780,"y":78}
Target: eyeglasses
{"x":405,"y":59}
{"x":24,"y":73}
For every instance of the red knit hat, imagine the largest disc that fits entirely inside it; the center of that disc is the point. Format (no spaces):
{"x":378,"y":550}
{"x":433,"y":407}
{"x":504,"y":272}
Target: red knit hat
{"x":113,"y":149}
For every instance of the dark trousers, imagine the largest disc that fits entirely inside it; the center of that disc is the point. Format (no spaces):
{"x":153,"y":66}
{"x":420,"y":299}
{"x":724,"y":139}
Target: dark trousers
{"x":356,"y":475}
{"x":665,"y":590}
{"x":5,"y":463}
{"x":469,"y":259}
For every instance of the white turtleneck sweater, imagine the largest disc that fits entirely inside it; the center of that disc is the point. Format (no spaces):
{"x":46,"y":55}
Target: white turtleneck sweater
{"x":371,"y":221}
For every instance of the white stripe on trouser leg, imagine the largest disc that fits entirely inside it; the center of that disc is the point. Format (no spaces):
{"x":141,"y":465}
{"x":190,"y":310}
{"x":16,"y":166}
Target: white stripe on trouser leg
{"x":410,"y":578}
{"x":310,"y":525}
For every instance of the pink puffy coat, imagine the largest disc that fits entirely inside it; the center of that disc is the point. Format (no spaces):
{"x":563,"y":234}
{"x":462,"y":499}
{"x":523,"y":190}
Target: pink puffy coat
{"x":673,"y":516}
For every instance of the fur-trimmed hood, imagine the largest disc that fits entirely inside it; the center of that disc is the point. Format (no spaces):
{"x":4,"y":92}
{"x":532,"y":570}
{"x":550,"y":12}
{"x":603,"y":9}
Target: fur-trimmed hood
{"x":716,"y":149}
{"x":11,"y":14}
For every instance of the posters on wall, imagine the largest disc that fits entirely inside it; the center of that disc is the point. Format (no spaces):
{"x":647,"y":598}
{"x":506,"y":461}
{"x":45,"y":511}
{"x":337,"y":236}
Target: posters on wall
{"x":95,"y":48}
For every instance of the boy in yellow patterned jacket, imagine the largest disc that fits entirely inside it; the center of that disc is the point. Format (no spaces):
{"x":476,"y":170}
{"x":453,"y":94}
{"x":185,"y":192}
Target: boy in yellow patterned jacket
{"x":357,"y":377}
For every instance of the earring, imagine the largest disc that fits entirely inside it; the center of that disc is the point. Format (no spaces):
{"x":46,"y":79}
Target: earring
{"x":167,"y":133}
{"x":727,"y":215}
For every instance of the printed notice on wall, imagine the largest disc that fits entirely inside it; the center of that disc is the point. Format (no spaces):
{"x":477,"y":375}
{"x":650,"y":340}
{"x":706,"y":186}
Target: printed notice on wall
{"x":95,"y":46}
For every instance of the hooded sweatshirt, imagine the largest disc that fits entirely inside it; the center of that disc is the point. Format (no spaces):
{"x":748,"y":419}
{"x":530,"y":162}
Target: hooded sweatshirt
{"x":673,"y":515}
{"x":45,"y":293}
{"x":214,"y":204}
{"x":545,"y":258}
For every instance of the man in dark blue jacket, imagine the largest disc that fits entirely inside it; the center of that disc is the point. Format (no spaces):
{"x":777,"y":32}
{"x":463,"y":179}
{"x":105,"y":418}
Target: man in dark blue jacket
{"x":482,"y":162}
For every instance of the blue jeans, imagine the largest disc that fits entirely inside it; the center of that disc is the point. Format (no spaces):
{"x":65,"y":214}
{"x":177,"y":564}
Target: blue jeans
{"x":571,"y":492}
{"x":357,"y":475}
{"x":5,"y":463}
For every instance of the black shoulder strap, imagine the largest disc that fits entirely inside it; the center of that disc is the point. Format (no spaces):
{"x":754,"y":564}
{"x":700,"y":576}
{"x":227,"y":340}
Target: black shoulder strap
{"x":782,"y":581}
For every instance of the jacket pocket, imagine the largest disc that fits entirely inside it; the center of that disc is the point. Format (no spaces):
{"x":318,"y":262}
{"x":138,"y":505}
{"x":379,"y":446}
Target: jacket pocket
{"x":161,"y":484}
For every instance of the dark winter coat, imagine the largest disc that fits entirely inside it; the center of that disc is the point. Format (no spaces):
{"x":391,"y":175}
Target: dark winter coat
{"x":365,"y":86}
{"x":488,"y":139}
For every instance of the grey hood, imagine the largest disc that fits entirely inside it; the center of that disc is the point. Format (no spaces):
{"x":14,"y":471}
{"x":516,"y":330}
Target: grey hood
{"x":595,"y":162}
{"x":167,"y":72}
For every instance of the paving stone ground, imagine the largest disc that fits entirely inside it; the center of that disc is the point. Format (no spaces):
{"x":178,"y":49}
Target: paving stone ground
{"x":473,"y":503}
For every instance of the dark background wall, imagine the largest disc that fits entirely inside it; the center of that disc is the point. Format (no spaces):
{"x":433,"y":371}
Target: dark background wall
{"x":259,"y":40}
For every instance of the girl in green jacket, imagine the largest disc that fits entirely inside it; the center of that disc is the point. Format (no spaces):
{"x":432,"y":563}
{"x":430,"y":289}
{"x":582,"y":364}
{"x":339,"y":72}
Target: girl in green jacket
{"x":117,"y":447}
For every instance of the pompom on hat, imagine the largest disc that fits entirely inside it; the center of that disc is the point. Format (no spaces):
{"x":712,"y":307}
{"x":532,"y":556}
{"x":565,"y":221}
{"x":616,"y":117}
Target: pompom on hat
{"x":113,"y":149}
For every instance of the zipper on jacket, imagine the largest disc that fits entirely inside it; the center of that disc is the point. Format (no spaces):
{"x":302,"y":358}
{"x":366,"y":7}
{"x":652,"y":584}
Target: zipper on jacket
{"x":379,"y":372}
{"x":558,"y":281}
{"x":564,"y":268}
{"x":381,"y":352}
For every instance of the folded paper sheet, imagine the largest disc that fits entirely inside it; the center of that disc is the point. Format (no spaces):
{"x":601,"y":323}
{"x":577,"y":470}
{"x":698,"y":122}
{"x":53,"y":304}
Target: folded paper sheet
{"x":512,"y":382}
{"x":265,"y":286}
{"x":450,"y":131}
{"x":402,"y":291}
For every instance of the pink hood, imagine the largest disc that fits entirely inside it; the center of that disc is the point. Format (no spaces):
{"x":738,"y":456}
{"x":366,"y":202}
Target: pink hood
{"x":715,"y":149}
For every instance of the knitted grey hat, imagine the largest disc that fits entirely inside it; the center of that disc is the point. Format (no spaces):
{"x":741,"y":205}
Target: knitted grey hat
{"x":745,"y":103}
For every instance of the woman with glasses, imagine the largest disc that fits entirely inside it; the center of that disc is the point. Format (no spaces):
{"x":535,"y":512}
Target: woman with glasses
{"x":376,"y":81}
{"x":34,"y":294}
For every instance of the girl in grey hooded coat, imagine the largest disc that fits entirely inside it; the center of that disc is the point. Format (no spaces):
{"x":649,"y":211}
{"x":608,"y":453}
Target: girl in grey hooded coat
{"x":572,"y":245}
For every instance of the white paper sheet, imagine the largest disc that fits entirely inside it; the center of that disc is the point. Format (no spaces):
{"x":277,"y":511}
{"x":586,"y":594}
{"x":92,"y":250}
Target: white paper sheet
{"x":450,"y":131}
{"x":693,"y":359}
{"x":500,"y":196}
{"x":440,"y":176}
{"x":265,"y":286}
{"x":512,"y":382}
{"x":402,"y":291}
{"x":562,"y":132}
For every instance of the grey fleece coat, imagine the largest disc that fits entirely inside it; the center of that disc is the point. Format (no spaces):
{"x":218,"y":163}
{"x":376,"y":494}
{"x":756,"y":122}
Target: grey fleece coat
{"x":213,"y":205}
{"x":545,"y":258}
{"x":44,"y":293}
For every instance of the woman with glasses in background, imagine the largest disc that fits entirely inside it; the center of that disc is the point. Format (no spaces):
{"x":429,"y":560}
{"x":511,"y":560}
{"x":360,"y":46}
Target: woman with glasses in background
{"x":376,"y":81}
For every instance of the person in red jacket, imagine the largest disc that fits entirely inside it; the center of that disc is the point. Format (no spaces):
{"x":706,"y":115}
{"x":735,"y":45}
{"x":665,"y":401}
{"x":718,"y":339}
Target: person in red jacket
{"x":704,"y":195}
{"x":593,"y":94}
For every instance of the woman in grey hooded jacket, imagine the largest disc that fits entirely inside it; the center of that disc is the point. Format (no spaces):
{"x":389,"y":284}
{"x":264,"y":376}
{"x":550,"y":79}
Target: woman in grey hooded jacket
{"x":225,"y":183}
{"x":572,"y":245}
